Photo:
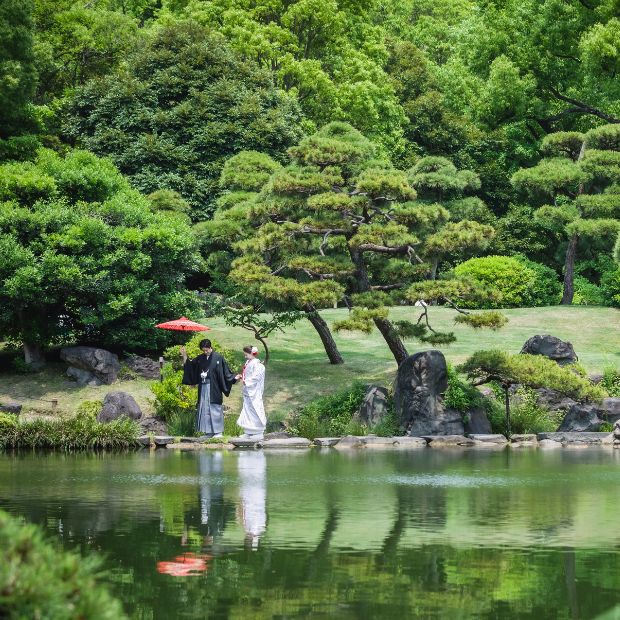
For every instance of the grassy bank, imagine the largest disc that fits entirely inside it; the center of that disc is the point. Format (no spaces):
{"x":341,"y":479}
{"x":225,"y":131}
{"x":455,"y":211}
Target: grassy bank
{"x":299,"y":371}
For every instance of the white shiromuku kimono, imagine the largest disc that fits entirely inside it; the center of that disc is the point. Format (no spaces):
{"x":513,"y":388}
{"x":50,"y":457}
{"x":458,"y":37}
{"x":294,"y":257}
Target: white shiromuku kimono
{"x":252,"y":418}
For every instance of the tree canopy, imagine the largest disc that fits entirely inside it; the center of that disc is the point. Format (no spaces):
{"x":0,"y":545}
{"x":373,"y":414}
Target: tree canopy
{"x":181,"y":105}
{"x":83,"y":257}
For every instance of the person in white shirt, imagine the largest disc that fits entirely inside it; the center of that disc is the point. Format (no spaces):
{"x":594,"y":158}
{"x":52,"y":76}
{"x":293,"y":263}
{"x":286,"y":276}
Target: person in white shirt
{"x":252,"y":418}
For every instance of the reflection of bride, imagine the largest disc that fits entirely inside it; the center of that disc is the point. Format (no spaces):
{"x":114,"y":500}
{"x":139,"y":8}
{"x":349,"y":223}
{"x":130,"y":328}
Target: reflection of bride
{"x":252,"y":495}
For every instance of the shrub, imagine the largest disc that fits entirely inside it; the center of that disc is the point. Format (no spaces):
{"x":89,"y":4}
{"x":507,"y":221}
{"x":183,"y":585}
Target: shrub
{"x":330,"y":415}
{"x":388,"y":426}
{"x":546,"y":289}
{"x":81,"y":432}
{"x":587,"y":293}
{"x":610,"y":288}
{"x":514,"y":280}
{"x":89,"y":408}
{"x":460,"y":395}
{"x":611,"y":381}
{"x":39,"y":581}
{"x":526,"y":415}
{"x":534,"y":371}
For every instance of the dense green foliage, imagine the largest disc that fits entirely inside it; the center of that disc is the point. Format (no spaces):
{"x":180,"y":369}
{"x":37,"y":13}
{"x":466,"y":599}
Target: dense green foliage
{"x":331,"y":416}
{"x":611,"y":381}
{"x":529,"y":370}
{"x":81,"y":432}
{"x":83,"y":257}
{"x":183,"y":104}
{"x":526,"y":415}
{"x":37,"y":580}
{"x":512,"y":282}
{"x":18,"y":73}
{"x":341,"y":152}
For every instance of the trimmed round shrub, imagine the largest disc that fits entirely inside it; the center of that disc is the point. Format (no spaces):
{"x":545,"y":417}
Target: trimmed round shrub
{"x":514,"y":281}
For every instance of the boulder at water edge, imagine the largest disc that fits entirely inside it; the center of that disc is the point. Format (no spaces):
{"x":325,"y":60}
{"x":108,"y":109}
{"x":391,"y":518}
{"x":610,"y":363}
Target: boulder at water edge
{"x":420,"y":382}
{"x":374,"y":407}
{"x":588,"y":417}
{"x":100,"y":366}
{"x":153,"y":426}
{"x":477,"y":422}
{"x":551,"y":347}
{"x":118,"y":404}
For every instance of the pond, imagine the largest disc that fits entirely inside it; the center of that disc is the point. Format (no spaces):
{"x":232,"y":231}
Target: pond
{"x":359,"y":534}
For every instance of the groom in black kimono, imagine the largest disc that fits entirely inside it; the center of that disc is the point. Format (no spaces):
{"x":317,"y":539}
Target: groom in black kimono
{"x":210,"y":372}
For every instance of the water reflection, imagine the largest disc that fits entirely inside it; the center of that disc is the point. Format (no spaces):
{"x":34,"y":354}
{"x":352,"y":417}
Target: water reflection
{"x":348,"y":535}
{"x":252,"y":468}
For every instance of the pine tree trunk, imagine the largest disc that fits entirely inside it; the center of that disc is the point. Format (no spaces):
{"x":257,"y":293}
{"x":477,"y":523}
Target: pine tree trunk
{"x":434,"y":266}
{"x":361,"y":282}
{"x":325,"y":334}
{"x":393,"y":340}
{"x":569,"y":271}
{"x":33,"y":355}
{"x":507,"y":409}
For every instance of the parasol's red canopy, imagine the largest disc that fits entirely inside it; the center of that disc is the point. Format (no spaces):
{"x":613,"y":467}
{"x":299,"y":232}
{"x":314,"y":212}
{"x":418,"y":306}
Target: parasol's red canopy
{"x":183,"y":325}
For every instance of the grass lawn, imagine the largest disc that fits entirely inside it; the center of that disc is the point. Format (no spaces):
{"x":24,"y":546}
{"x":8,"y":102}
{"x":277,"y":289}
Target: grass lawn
{"x":299,"y":370}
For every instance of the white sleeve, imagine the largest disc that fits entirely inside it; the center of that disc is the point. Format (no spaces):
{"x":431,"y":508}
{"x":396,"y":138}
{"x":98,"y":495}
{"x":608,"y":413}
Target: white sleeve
{"x":255,"y":374}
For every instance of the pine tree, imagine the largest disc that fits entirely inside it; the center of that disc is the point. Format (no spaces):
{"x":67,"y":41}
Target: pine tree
{"x":581,"y":178}
{"x":341,"y":222}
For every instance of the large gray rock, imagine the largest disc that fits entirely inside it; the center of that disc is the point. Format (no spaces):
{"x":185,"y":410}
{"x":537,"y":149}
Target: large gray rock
{"x":14,"y":408}
{"x":374,"y":407}
{"x":420,"y":382}
{"x":477,"y":422}
{"x":520,"y":440}
{"x":551,"y":347}
{"x":553,"y":400}
{"x":611,"y":409}
{"x":119,"y":404}
{"x":83,"y":377}
{"x":100,"y":363}
{"x":143,"y":366}
{"x":582,"y":418}
{"x":153,"y":426}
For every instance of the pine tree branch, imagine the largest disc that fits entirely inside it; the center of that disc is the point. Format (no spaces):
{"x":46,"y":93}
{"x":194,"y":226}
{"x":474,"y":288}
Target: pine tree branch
{"x":584,"y":107}
{"x":385,"y":249}
{"x":387,"y":287}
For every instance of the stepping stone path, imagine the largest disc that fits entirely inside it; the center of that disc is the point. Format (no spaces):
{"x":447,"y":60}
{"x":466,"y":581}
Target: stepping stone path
{"x":448,"y":441}
{"x":490,"y":439}
{"x":326,"y":442}
{"x":523,"y":441}
{"x":286,"y":442}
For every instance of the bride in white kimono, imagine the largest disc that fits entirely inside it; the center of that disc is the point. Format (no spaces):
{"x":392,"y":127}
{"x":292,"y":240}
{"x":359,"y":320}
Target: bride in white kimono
{"x":252,"y":418}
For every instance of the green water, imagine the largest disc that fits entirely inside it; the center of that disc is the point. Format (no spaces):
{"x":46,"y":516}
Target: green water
{"x":326,"y":534}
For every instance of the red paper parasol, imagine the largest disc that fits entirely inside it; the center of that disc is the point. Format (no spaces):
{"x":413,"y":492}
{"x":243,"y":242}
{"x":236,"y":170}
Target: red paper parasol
{"x":183,"y":325}
{"x":186,"y":565}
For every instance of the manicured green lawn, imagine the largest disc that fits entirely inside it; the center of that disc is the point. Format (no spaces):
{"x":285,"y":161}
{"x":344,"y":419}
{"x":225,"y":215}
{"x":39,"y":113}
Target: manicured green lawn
{"x":299,"y":370}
